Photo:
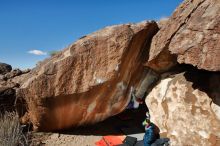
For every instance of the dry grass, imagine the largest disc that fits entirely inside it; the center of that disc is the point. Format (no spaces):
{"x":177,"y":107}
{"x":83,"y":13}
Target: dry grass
{"x":10,"y":130}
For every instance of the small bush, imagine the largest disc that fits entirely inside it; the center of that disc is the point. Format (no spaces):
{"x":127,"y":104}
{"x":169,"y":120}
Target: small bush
{"x":53,"y":53}
{"x":10,"y":130}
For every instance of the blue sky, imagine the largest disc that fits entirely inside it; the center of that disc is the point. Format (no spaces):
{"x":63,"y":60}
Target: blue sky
{"x":30,"y":25}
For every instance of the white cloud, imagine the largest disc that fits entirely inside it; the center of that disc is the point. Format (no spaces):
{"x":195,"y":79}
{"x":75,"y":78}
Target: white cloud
{"x":37,"y":52}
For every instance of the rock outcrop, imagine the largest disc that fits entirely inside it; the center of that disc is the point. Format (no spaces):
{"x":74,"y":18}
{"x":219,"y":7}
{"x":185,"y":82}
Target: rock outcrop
{"x":5,"y":68}
{"x":186,"y":108}
{"x":7,"y":95}
{"x":90,"y":80}
{"x":190,"y":36}
{"x":10,"y":81}
{"x":94,"y":77}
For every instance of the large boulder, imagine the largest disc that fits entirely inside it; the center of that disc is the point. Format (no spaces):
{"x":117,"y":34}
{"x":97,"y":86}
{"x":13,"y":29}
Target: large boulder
{"x":5,"y":68}
{"x":90,"y":80}
{"x":186,"y":108}
{"x":191,"y":36}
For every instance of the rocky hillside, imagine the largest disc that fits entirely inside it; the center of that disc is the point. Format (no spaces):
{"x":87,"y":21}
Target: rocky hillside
{"x":176,"y":62}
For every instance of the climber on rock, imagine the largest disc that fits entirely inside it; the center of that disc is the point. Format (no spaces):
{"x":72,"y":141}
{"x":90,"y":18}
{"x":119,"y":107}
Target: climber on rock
{"x":135,"y":101}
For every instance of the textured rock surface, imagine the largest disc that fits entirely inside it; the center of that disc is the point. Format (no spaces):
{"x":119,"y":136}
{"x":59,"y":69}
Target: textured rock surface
{"x":5,"y":68}
{"x":9,"y":83}
{"x":7,"y":95}
{"x":192,"y":34}
{"x":13,"y":73}
{"x":90,"y":80}
{"x":162,"y":22}
{"x":186,"y":108}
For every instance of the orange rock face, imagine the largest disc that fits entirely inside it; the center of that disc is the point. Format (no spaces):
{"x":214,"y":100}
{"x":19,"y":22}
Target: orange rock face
{"x":191,"y":36}
{"x":90,"y":80}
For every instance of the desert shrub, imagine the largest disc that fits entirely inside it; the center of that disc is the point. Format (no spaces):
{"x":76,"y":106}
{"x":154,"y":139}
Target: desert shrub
{"x":11,"y":130}
{"x":53,"y":53}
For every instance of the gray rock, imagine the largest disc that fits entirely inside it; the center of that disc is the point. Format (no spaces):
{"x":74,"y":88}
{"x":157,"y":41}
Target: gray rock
{"x":13,"y":73}
{"x":5,"y":68}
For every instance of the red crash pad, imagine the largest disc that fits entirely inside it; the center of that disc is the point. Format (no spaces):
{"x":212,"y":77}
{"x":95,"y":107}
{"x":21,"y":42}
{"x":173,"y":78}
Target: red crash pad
{"x":110,"y":141}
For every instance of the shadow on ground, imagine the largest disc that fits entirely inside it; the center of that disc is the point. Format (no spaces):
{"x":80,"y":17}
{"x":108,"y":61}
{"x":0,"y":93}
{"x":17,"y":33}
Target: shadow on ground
{"x":126,"y":123}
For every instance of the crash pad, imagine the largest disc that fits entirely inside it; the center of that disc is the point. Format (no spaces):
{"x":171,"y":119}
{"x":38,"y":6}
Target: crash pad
{"x":110,"y":141}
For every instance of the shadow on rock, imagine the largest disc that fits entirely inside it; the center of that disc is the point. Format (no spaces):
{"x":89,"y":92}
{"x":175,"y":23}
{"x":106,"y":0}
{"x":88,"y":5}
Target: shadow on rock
{"x":206,"y":81}
{"x":128,"y":122}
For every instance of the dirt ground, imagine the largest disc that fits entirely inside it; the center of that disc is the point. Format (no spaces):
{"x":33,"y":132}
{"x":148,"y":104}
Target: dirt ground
{"x":128,"y":122}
